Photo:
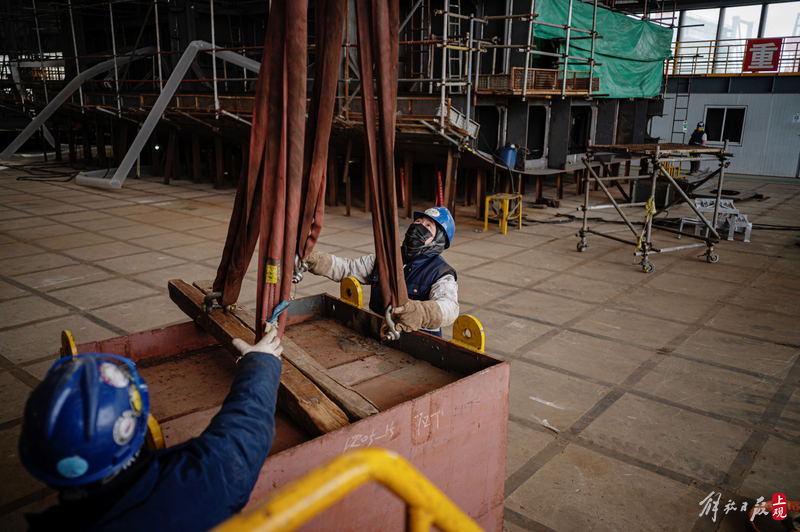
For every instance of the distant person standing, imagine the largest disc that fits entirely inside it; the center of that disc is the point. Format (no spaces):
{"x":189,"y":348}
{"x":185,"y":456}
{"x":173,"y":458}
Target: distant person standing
{"x":698,"y":138}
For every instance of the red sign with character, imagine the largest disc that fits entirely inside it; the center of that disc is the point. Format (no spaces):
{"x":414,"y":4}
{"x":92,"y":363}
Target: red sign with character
{"x":762,"y":55}
{"x":779,"y":506}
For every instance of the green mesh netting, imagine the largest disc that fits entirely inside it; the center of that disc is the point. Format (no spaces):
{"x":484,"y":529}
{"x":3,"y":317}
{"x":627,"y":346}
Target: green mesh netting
{"x":632,"y":52}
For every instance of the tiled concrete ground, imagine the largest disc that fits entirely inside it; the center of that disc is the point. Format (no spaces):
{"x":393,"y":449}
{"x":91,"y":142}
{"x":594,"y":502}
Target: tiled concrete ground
{"x":632,"y":397}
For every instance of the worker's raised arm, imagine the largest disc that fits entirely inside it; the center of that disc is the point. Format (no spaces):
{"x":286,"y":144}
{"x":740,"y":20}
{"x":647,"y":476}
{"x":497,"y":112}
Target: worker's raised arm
{"x":232,"y":450}
{"x":337,"y":268}
{"x":445,"y":293}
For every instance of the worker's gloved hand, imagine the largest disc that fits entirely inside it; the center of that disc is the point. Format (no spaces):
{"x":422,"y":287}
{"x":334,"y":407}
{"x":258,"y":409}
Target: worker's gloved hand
{"x":319,"y":263}
{"x":416,"y":315}
{"x":269,"y":344}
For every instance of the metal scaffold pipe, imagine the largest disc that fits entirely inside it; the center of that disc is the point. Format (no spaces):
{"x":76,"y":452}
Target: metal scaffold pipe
{"x":158,"y":49}
{"x":114,"y":51}
{"x":158,"y":109}
{"x":62,"y":97}
{"x":214,"y":62}
{"x":41,"y":55}
{"x":75,"y":49}
{"x":566,"y":53}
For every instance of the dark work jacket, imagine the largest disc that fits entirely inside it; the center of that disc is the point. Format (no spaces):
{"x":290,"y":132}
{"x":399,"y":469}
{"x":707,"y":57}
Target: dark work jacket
{"x":420,"y":276}
{"x":697,"y":138}
{"x":194,"y":486}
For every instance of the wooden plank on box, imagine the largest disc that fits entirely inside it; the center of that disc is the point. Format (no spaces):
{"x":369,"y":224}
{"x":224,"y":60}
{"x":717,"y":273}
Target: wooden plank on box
{"x":297,"y":395}
{"x":355,"y":405}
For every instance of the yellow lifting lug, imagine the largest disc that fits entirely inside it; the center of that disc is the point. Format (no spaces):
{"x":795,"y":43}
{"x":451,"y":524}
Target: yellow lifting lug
{"x":468,"y":332}
{"x":350,"y":292}
{"x":68,"y":348}
{"x":154,"y":438}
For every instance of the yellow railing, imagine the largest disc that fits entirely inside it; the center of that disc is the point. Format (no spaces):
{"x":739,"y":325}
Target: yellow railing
{"x":725,"y":58}
{"x":321,"y":488}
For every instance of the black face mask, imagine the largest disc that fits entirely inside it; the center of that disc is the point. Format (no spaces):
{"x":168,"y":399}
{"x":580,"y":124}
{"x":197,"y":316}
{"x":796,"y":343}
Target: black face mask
{"x":414,"y":243}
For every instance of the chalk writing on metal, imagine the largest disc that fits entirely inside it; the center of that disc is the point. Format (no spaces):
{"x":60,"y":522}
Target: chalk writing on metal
{"x":366,"y":440}
{"x":425,"y":420}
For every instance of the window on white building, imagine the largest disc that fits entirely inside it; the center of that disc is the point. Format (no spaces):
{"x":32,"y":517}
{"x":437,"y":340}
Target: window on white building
{"x":725,"y":123}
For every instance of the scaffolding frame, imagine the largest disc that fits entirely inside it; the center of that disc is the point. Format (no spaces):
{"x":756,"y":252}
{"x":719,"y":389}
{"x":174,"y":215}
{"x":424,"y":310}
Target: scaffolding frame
{"x":659,"y":157}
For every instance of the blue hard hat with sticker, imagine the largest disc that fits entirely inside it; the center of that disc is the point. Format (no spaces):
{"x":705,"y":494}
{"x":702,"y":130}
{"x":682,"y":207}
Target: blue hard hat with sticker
{"x":85,"y":421}
{"x":443,"y":219}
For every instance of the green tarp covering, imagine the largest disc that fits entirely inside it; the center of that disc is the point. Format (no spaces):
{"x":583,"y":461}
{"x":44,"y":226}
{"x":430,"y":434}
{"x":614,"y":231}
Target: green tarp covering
{"x":632,"y":52}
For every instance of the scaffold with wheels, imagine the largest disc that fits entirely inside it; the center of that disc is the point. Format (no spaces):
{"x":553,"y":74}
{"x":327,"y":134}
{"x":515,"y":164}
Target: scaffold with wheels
{"x":662,"y":159}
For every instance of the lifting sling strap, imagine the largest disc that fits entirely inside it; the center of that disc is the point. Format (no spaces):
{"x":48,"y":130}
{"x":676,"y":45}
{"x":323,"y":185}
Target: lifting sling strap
{"x":281,"y":202}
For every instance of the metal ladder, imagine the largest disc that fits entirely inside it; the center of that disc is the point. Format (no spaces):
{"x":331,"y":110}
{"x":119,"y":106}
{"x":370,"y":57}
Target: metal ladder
{"x":454,"y":57}
{"x":681,"y":106}
{"x":420,"y":31}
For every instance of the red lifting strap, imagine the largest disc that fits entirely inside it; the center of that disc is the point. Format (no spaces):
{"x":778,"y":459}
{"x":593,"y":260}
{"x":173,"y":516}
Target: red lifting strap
{"x":282,"y":200}
{"x":378,"y":25}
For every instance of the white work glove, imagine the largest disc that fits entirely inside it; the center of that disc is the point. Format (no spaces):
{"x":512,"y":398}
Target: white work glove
{"x":269,"y":344}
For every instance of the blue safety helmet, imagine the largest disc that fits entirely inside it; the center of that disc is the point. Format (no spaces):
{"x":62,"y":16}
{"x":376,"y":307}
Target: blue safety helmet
{"x":443,"y":219}
{"x":85,"y":421}
{"x":701,"y":125}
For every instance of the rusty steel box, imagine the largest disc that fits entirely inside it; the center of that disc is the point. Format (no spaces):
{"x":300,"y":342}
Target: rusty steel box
{"x":443,"y":407}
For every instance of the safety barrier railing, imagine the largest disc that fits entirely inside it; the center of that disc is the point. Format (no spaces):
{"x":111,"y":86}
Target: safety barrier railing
{"x":538,"y":81}
{"x":725,"y":58}
{"x":303,"y":499}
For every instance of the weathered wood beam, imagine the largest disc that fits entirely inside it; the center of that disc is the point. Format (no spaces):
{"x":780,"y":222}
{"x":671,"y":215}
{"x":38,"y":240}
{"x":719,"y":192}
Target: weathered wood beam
{"x":297,"y":395}
{"x":355,"y":405}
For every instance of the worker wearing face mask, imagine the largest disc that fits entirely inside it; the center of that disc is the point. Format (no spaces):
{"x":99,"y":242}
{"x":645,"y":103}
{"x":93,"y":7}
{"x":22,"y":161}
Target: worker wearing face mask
{"x":431,"y":282}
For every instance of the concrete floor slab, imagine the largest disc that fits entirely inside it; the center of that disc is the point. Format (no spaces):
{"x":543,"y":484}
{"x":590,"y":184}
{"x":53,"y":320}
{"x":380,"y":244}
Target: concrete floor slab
{"x":18,"y":249}
{"x":142,"y":314}
{"x":782,"y":265}
{"x":508,"y":334}
{"x":134,"y":231}
{"x":102,"y":293}
{"x":189,"y":272}
{"x":756,"y":323}
{"x":631,"y":327}
{"x":547,"y":260}
{"x":484,"y":249}
{"x":516,"y":238}
{"x":43,"y":231}
{"x":32,"y":342}
{"x":75,"y":240}
{"x":13,"y":394}
{"x":668,"y":437}
{"x":769,"y":299}
{"x":774,"y":470}
{"x":187,"y":224}
{"x":480,"y":292}
{"x":536,"y":305}
{"x":613,"y":272}
{"x":8,"y":291}
{"x":789,"y":422}
{"x":587,"y":355}
{"x":711,"y":389}
{"x":523,"y":444}
{"x":28,"y":309}
{"x":140,"y":262}
{"x":580,"y":288}
{"x":507,"y":273}
{"x":198,"y":251}
{"x":104,"y":251}
{"x":462,"y":261}
{"x":697,"y":287}
{"x":62,"y":277}
{"x":581,"y":490}
{"x":664,"y":305}
{"x":550,"y":399}
{"x":166,"y":241}
{"x":24,"y":223}
{"x":743,"y":353}
{"x":17,"y":482}
{"x":776,"y":280}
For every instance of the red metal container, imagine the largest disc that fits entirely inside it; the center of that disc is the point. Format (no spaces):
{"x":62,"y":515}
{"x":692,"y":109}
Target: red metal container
{"x":444,"y":408}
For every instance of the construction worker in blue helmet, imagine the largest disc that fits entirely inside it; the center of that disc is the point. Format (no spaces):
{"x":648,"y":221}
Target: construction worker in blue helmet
{"x":431,"y":282}
{"x":698,"y":138}
{"x":83,"y":433}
